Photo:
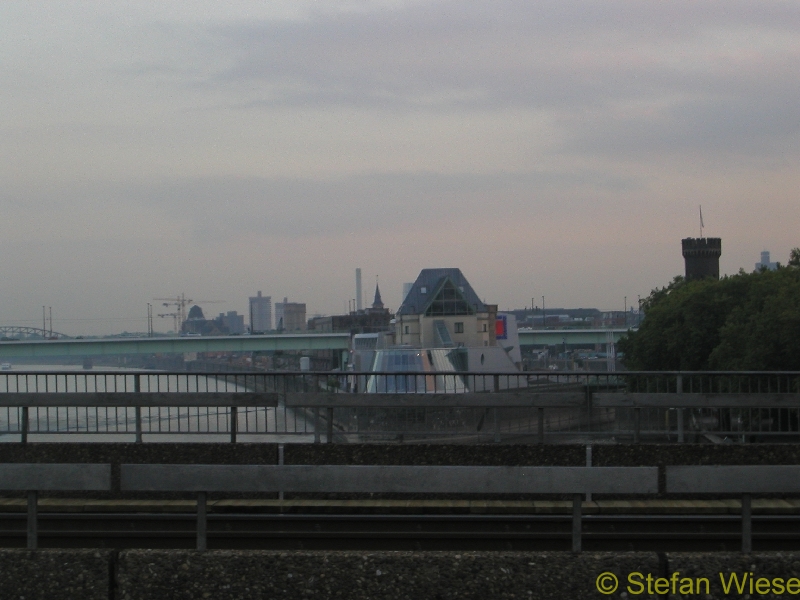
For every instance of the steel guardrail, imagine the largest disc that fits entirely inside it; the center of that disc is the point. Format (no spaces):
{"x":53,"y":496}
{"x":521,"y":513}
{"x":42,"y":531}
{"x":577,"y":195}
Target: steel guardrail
{"x":406,"y":406}
{"x":38,"y":477}
{"x":203,"y":479}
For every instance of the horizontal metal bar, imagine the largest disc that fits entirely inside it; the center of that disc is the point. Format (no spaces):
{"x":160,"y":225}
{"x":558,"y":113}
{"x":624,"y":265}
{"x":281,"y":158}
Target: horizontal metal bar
{"x":55,"y":477}
{"x":138,"y":399}
{"x":390,"y":479}
{"x":739,"y":479}
{"x":663,"y":400}
{"x":422,"y":400}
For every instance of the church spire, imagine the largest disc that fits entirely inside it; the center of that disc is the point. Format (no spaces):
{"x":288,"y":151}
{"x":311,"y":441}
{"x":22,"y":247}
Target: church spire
{"x":377,"y":303}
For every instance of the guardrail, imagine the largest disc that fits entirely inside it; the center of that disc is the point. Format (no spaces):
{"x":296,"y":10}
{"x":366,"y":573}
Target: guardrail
{"x":203,"y":479}
{"x":405,"y":406}
{"x":354,"y":479}
{"x":744,"y":480}
{"x":37,"y":477}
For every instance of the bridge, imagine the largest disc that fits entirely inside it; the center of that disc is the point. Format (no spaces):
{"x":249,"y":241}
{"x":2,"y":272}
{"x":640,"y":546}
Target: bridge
{"x":555,"y":337}
{"x":174,"y":345}
{"x":248,"y":343}
{"x":15,"y":332}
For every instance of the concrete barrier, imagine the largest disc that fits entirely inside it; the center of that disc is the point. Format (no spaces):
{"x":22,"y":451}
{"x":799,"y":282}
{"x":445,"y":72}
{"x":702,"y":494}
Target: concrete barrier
{"x":55,"y":574}
{"x":246,"y":575}
{"x":223,"y":575}
{"x":735,"y":572}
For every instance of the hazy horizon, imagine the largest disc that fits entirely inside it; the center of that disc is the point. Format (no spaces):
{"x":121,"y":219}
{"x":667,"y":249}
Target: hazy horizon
{"x":549,"y":148}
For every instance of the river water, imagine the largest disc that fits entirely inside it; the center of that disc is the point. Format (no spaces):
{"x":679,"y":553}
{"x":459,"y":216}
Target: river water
{"x":159,"y":424}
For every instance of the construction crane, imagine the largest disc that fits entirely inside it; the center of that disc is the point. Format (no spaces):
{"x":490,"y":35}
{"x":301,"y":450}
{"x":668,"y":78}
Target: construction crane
{"x":174,"y":316}
{"x":180,"y":303}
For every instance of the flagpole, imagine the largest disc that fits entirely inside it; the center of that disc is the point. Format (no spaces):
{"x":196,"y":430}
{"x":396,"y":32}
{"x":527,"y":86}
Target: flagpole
{"x":701,"y":221}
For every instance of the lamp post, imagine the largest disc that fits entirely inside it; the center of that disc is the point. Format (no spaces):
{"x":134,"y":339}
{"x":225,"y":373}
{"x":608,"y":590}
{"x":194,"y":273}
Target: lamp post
{"x":625,"y":311}
{"x":544,"y":315}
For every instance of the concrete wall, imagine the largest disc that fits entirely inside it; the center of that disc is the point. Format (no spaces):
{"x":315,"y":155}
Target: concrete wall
{"x":245,"y":575}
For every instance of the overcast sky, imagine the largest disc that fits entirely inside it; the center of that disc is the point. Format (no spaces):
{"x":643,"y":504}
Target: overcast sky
{"x":547,"y":148}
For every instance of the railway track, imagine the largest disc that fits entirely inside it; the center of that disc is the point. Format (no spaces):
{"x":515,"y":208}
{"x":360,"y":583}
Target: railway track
{"x":403,"y":532}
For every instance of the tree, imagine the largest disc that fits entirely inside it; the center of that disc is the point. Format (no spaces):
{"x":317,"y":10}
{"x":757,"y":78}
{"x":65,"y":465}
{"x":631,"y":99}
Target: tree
{"x":749,"y":321}
{"x":794,"y":257}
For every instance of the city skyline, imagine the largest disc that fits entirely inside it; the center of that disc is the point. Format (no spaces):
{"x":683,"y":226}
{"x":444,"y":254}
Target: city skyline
{"x":545,"y":149}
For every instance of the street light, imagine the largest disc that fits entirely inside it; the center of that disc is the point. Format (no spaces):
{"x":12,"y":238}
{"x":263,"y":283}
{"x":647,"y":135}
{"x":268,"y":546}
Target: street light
{"x":625,"y":311}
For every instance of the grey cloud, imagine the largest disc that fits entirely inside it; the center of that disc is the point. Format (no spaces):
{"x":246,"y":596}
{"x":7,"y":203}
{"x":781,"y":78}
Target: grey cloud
{"x":567,"y":59}
{"x":534,"y":54}
{"x":221,"y":208}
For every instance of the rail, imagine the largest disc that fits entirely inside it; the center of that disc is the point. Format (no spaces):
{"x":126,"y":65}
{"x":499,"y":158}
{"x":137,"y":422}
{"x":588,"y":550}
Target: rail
{"x":527,"y":407}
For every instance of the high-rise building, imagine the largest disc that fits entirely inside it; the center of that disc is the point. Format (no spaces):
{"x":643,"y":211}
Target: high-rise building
{"x":290,"y":316}
{"x":233,"y":322}
{"x":260,"y":313}
{"x":765,"y":263}
{"x":701,"y":257}
{"x":279,"y":314}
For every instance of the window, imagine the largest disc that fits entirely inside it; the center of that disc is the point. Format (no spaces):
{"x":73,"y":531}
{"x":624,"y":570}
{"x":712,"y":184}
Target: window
{"x":448,"y":301}
{"x":484,"y":326}
{"x":458,"y":327}
{"x":406,"y":330}
{"x":423,"y":290}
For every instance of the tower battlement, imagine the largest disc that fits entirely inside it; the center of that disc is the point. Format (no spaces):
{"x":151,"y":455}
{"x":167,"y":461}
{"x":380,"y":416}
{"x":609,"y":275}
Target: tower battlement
{"x":701,"y":257}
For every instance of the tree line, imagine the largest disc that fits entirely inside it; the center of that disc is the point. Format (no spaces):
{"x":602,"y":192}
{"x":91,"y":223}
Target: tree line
{"x":743,"y":322}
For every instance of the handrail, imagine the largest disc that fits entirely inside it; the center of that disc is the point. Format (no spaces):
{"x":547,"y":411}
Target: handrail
{"x":675,"y":400}
{"x":500,"y":399}
{"x":123,"y":399}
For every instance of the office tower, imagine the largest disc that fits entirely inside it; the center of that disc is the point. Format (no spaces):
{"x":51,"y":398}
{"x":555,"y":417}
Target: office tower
{"x":260,"y":313}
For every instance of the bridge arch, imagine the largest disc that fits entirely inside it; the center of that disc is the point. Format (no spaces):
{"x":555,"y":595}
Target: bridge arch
{"x":13,"y":332}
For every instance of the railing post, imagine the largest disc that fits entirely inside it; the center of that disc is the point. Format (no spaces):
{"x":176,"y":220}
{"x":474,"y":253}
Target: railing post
{"x":316,"y":425}
{"x":588,"y":464}
{"x":541,"y":425}
{"x":202,"y":533}
{"x":329,"y":437}
{"x":137,"y":388}
{"x":33,"y":523}
{"x":679,"y":390}
{"x":280,"y":462}
{"x":576,"y":522}
{"x":637,"y":423}
{"x":23,"y":426}
{"x":747,"y":524}
{"x":496,"y":388}
{"x":234,"y":423}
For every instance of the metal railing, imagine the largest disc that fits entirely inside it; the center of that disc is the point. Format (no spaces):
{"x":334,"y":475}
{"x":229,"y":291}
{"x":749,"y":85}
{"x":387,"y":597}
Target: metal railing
{"x":527,"y":407}
{"x":744,"y":480}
